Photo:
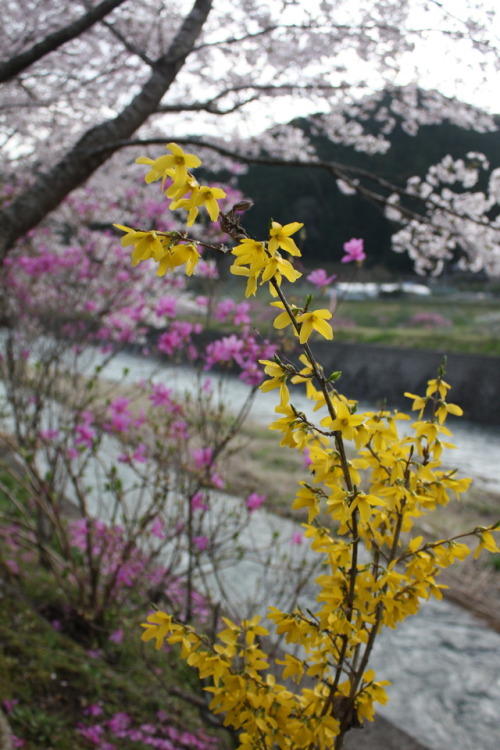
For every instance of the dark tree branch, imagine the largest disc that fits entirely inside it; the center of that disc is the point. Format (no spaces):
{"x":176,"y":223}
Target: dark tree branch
{"x":128,"y":45}
{"x":350,"y":175}
{"x":99,"y":143}
{"x":18,"y":63}
{"x":208,"y":106}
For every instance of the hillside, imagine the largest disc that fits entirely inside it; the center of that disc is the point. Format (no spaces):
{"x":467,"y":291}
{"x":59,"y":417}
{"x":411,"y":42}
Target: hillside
{"x":311,"y":195}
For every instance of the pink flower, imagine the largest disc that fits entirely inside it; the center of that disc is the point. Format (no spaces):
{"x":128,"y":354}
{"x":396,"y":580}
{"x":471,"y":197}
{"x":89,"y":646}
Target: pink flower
{"x":319,"y":278}
{"x":93,"y":734}
{"x":217,"y":481}
{"x":8,"y":705}
{"x":166,"y":306}
{"x":120,"y":414}
{"x":139,"y":454}
{"x":241,"y":316}
{"x":157,"y":528}
{"x":297,"y":538}
{"x":202,"y":457}
{"x":162,"y":396}
{"x":116,"y":636}
{"x":179,"y":429}
{"x":119,"y":723}
{"x":353,"y":251}
{"x":254,"y":501}
{"x":94,"y":709}
{"x":85,"y":434}
{"x":197,"y":502}
{"x":224,"y":308}
{"x":48,"y":434}
{"x":200,"y":542}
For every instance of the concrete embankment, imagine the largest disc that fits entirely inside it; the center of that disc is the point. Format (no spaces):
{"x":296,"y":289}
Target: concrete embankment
{"x":377,"y":373}
{"x":384,"y":373}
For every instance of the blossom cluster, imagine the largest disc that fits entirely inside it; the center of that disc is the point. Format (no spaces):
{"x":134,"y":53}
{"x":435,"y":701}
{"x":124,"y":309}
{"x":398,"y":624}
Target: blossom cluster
{"x":368,"y":483}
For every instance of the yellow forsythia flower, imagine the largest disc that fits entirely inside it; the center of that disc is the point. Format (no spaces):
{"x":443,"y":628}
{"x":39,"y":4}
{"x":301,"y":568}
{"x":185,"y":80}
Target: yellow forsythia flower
{"x":279,"y":236}
{"x":315,"y":321}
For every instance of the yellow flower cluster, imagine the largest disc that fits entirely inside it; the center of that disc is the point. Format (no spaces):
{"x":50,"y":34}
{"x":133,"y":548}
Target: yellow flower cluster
{"x":266,"y":713}
{"x":174,"y":166}
{"x":164,"y":248}
{"x":170,"y":250}
{"x":257,"y":260}
{"x":367,"y":500}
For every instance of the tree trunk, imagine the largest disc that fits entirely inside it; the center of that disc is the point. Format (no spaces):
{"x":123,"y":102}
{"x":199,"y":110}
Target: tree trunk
{"x":91,"y":151}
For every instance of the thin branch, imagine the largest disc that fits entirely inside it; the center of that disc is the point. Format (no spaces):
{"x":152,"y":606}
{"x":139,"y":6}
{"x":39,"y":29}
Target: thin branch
{"x":338,"y":170}
{"x":208,"y":105}
{"x":128,"y":45}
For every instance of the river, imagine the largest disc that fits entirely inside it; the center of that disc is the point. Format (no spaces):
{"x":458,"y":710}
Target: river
{"x":477,"y":449}
{"x":443,"y":664}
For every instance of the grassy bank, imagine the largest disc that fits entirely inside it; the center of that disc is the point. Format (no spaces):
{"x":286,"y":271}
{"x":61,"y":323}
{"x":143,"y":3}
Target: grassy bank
{"x":455,"y":322}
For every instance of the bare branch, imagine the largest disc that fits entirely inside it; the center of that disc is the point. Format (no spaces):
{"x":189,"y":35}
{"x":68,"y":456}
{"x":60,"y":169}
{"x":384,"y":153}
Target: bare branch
{"x":348,"y":174}
{"x":208,"y":105}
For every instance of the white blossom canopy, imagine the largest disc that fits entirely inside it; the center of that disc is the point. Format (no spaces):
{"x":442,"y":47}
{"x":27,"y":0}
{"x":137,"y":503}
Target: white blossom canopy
{"x":78,"y":84}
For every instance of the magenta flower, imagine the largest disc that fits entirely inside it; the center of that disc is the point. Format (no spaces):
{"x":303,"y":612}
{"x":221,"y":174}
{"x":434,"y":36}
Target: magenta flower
{"x":179,"y":429}
{"x":319,"y":278}
{"x":202,"y":457}
{"x":121,"y":417}
{"x":94,"y":709}
{"x":8,"y":705}
{"x":160,"y":396}
{"x":48,"y":434}
{"x":224,"y":308}
{"x":157,"y":528}
{"x":254,"y":501}
{"x":85,"y":434}
{"x":200,"y":542}
{"x":297,"y":538}
{"x":217,"y":481}
{"x":241,"y":316}
{"x":198,"y":502}
{"x":353,"y":251}
{"x":116,"y":636}
{"x":166,"y":306}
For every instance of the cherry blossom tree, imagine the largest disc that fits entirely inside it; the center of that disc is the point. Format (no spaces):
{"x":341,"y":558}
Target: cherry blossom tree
{"x":79,"y":87}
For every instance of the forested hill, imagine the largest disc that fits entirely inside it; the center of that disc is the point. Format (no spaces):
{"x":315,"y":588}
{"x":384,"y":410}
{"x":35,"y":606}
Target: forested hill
{"x":312,"y":196}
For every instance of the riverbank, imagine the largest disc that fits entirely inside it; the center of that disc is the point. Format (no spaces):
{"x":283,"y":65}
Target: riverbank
{"x":383,"y":373}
